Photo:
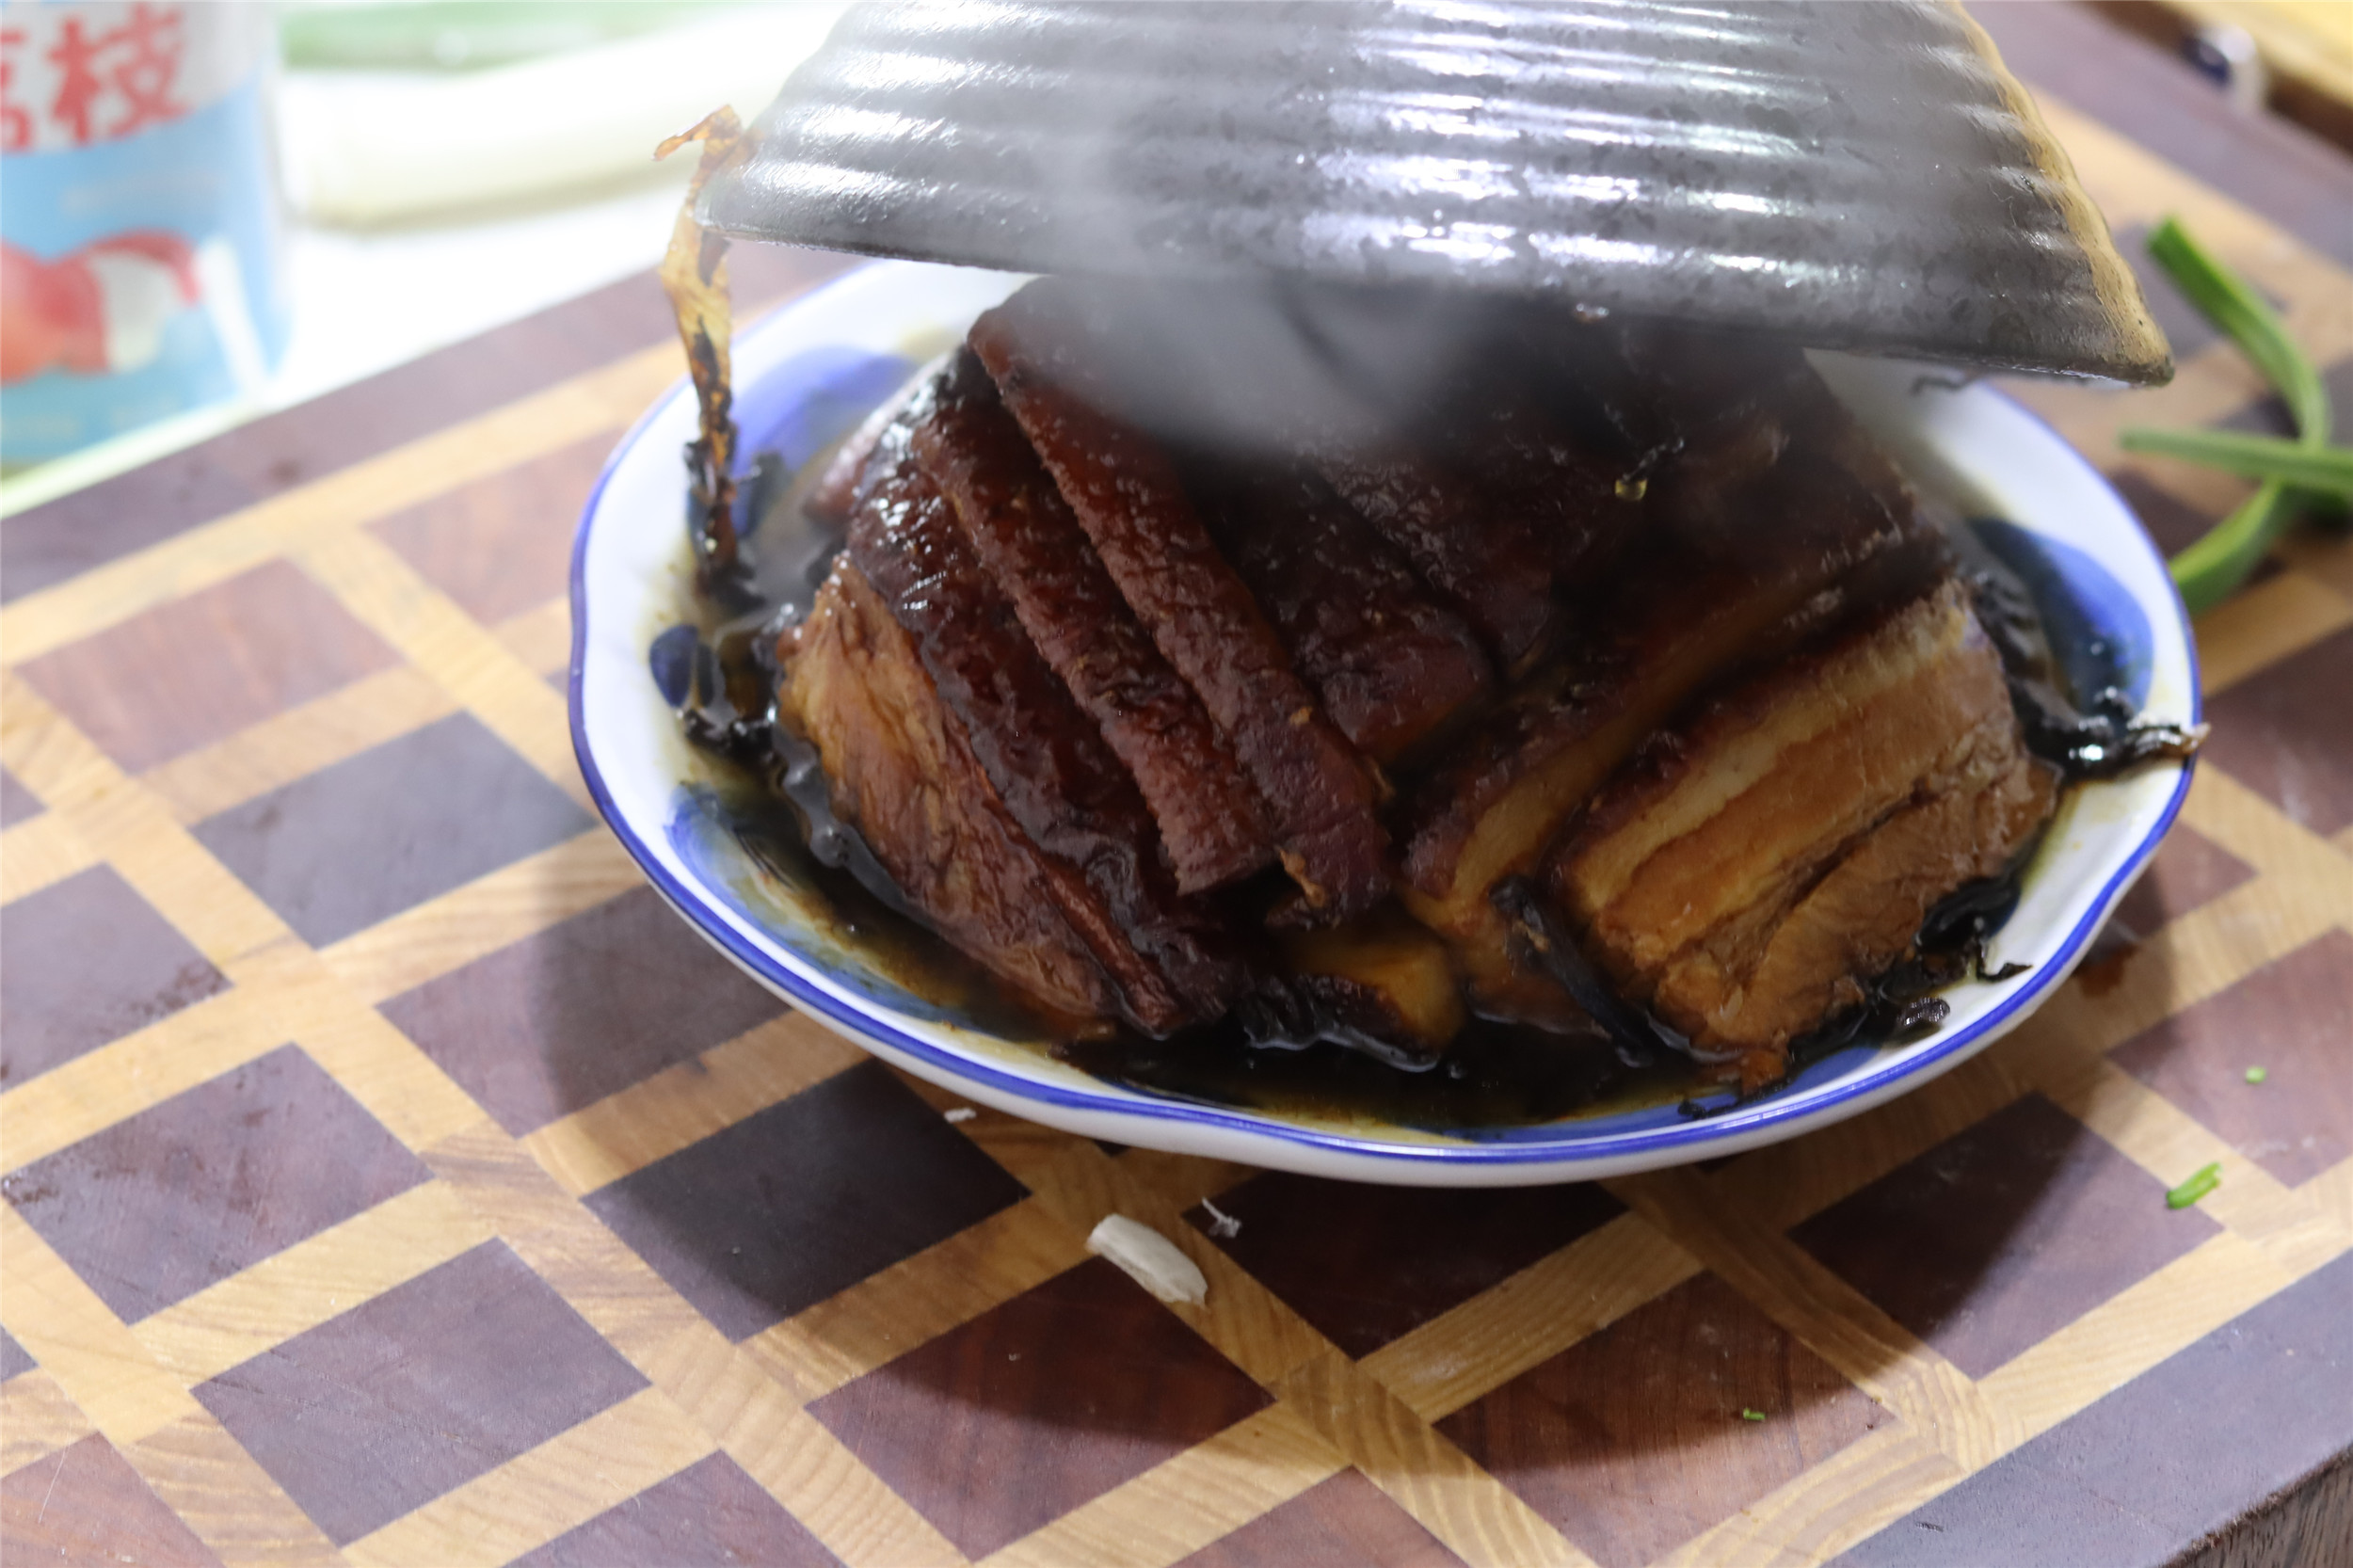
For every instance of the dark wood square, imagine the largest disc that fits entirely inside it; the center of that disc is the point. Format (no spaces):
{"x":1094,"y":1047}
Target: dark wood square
{"x":210,"y":1182}
{"x":2294,"y":1018}
{"x":2190,"y":870}
{"x":588,"y":1006}
{"x":1341,"y":1523}
{"x":1632,"y":1440}
{"x":1367,"y":1264}
{"x":709,"y":1516}
{"x":421,"y":1389}
{"x":2170,"y":520}
{"x":1035,"y":1407}
{"x":84,"y":1507}
{"x":89,"y":960}
{"x":2172,"y":1461}
{"x":199,"y":669}
{"x":375,"y":834}
{"x":14,"y":1358}
{"x":2001,"y":1236}
{"x":2268,"y":415}
{"x":17,"y":803}
{"x":805,"y":1199}
{"x":2281,"y":732}
{"x":502,"y":545}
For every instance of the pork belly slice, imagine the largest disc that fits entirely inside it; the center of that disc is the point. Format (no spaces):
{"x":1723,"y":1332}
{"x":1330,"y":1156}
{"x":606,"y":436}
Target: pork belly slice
{"x":1562,"y":481}
{"x":1170,"y":962}
{"x":1762,"y":861}
{"x":1213,"y":824}
{"x":1381,"y":983}
{"x":1127,"y":496}
{"x":1392,"y":665}
{"x":899,"y":774}
{"x":1678,"y":621}
{"x":1487,"y":560}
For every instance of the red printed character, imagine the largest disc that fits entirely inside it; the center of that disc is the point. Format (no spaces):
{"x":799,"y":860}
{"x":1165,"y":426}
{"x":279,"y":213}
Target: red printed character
{"x":143,"y":60}
{"x":78,"y":82}
{"x":139,"y":61}
{"x":16,"y":122}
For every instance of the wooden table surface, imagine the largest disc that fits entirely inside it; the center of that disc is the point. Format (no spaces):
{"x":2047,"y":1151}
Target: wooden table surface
{"x":390,"y":1178}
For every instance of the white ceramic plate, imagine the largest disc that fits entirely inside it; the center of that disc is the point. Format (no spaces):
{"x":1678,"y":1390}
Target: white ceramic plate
{"x":809,"y":371}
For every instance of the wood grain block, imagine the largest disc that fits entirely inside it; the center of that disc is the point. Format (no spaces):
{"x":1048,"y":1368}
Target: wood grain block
{"x":2179,"y":1455}
{"x":580,"y":1011}
{"x":502,"y":545}
{"x":2294,"y":1018}
{"x":14,"y":1358}
{"x":199,"y":669}
{"x":1634,"y":1440}
{"x":211,"y":1181}
{"x":2190,"y":871}
{"x":2174,"y":524}
{"x":1992,"y":1240}
{"x":2271,"y":734}
{"x":89,"y":960}
{"x":337,"y":851}
{"x":84,"y":1507}
{"x":1346,"y":1522}
{"x":418,"y":1390}
{"x":1365,"y":1265}
{"x":17,"y":803}
{"x":1028,"y":1411}
{"x":804,"y":1199}
{"x":709,"y":1516}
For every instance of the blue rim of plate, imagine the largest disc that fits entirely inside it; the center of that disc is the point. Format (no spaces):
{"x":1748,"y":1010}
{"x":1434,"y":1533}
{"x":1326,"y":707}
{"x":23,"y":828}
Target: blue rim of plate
{"x":1759,"y":1115}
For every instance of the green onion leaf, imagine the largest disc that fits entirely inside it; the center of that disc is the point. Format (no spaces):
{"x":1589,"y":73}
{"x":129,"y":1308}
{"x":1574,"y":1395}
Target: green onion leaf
{"x":2206,"y":1180}
{"x":2210,"y":570}
{"x":1747,"y":1415}
{"x":2326,"y":469}
{"x":2256,"y":1075}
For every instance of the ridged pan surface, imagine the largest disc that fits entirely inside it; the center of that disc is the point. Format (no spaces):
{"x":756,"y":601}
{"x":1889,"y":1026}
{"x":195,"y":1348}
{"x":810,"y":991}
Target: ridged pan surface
{"x":1853,"y":175}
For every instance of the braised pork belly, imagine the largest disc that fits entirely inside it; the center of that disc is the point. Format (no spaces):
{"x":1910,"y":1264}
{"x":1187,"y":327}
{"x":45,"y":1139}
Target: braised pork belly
{"x":1636,"y":622}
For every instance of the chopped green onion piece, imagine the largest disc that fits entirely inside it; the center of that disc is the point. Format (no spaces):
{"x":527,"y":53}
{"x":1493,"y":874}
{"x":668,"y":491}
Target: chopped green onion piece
{"x":2228,"y":301}
{"x":2227,"y":555}
{"x":2211,"y":569}
{"x":2256,"y":1075}
{"x":1747,"y":1415}
{"x":2326,"y":469}
{"x":2205,"y":1181}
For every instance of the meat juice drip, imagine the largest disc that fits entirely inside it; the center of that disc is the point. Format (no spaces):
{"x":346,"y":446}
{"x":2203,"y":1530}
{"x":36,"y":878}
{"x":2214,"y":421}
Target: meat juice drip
{"x":1494,"y":1076}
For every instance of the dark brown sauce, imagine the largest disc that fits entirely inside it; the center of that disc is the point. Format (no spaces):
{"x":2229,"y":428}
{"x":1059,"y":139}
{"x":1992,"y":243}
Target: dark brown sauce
{"x":1494,"y":1075}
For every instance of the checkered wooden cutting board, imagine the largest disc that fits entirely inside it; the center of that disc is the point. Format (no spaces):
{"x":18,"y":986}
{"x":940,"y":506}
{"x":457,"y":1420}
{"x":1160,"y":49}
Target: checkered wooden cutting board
{"x":391,"y":1179}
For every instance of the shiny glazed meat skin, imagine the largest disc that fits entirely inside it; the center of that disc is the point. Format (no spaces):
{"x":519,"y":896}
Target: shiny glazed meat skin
{"x":1171,"y":963}
{"x":900,"y":775}
{"x":1128,"y":497}
{"x":1211,"y":818}
{"x":1391,"y":663}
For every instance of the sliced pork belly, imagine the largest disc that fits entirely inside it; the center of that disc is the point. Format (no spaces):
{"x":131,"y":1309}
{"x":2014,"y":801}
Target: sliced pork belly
{"x":1488,"y":561}
{"x":1391,"y":663}
{"x":900,"y":775}
{"x":1212,"y":820}
{"x":1170,"y":962}
{"x":1128,"y":497}
{"x":1679,"y":620}
{"x":1761,"y":860}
